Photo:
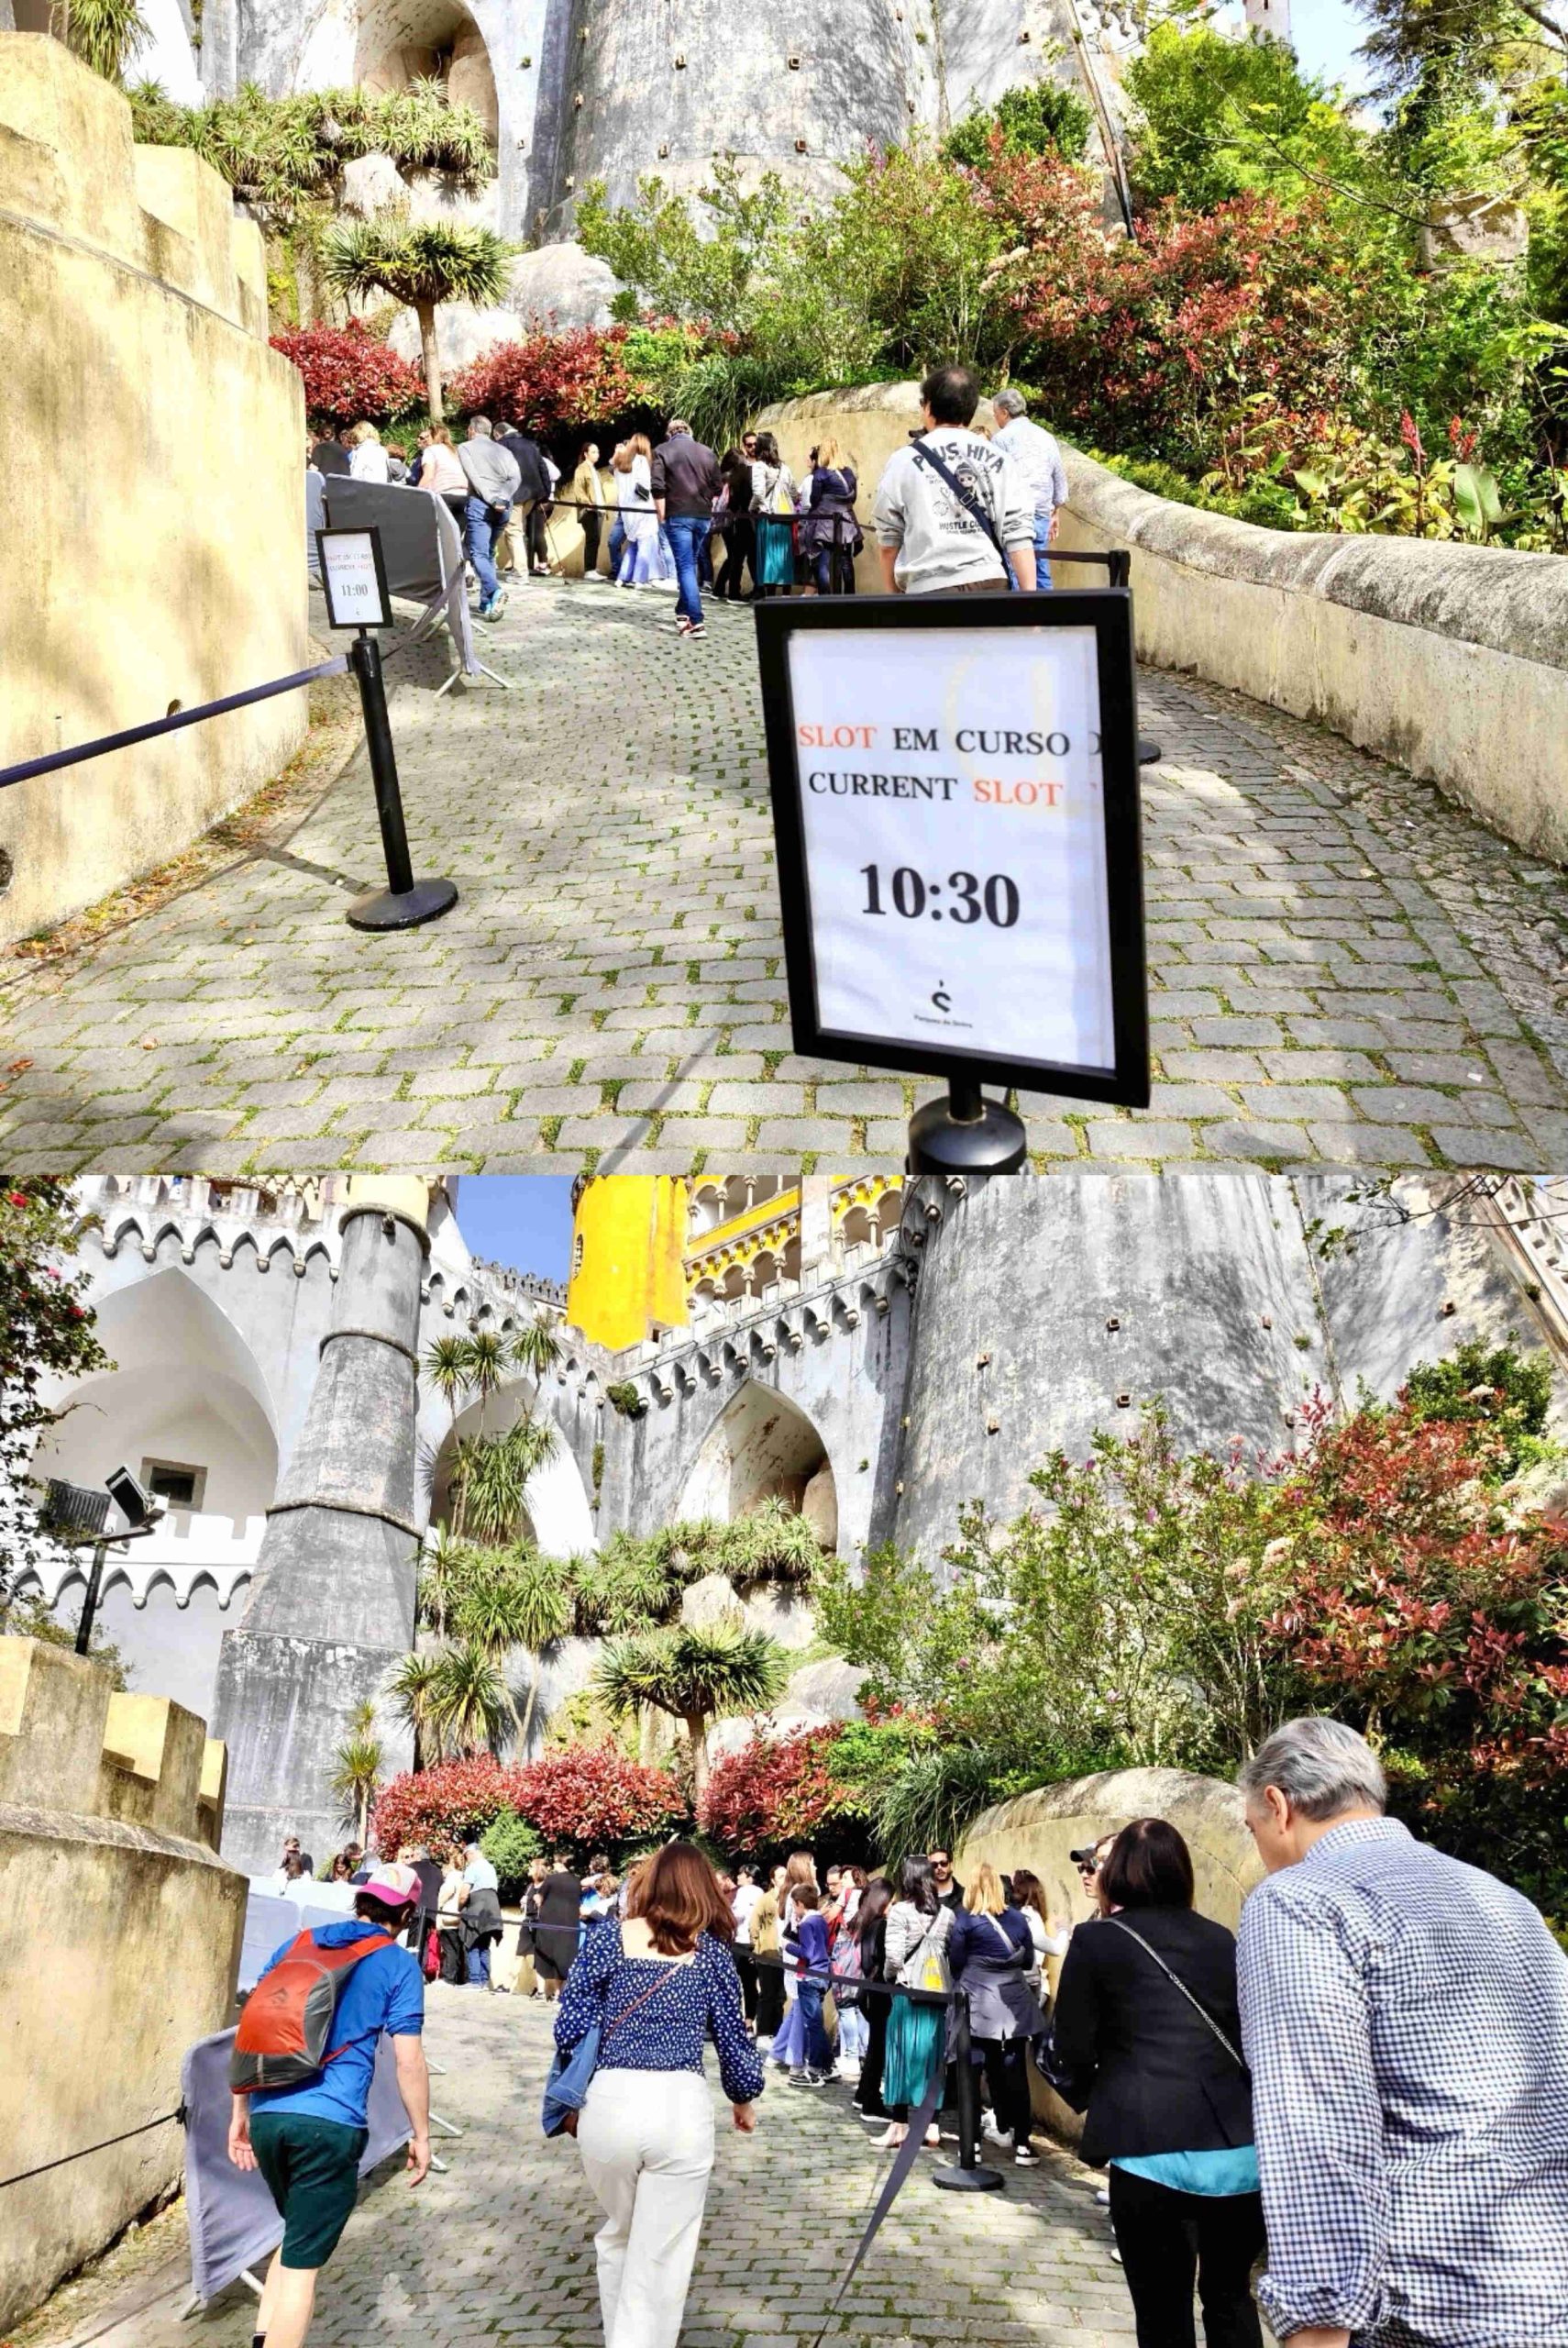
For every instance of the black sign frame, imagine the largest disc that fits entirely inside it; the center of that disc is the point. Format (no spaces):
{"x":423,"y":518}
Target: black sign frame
{"x":1109,"y":611}
{"x":383,"y":617}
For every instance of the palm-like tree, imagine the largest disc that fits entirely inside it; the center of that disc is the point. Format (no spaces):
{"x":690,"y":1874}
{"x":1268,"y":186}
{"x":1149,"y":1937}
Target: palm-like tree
{"x":412,"y":1689}
{"x":512,"y":1600}
{"x":102,"y":33}
{"x":697,"y":1674}
{"x":358,"y":1770}
{"x":469,"y":1708}
{"x":421,"y":263}
{"x":537,"y":1348}
{"x":495,"y":1473}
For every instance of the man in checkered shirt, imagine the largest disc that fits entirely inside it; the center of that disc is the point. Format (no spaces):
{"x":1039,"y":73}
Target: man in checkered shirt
{"x":1405,"y":2019}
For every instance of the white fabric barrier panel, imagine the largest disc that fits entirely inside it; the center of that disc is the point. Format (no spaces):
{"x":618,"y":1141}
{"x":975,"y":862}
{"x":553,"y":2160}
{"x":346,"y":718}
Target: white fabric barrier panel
{"x":272,"y":1917}
{"x":234,"y":2224}
{"x":422,"y":549}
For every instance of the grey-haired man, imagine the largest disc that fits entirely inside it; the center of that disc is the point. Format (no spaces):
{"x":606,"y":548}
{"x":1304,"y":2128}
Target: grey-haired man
{"x":1034,"y":452}
{"x":1406,"y":2020}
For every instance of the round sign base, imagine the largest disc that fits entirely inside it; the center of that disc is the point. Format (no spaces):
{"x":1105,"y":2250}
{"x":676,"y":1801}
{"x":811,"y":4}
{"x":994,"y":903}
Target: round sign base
{"x":958,"y":2180}
{"x":403,"y":908}
{"x":966,"y":1134}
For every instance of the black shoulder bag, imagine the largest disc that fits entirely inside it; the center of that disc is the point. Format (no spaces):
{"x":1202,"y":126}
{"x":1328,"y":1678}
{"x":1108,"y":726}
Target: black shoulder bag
{"x":924,"y":456}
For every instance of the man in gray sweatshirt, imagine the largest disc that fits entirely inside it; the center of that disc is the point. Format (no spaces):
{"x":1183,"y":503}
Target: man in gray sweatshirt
{"x":942,"y":524}
{"x":493,"y":479}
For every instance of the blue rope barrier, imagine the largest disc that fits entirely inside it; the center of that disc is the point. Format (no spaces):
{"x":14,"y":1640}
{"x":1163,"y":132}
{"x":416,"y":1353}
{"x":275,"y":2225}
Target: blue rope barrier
{"x":107,"y":742}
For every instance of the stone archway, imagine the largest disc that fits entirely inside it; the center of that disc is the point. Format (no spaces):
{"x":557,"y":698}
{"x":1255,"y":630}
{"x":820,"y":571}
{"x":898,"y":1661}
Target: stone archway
{"x":558,"y":1517}
{"x":400,"y":41}
{"x":761,"y":1447}
{"x":187,"y":1409}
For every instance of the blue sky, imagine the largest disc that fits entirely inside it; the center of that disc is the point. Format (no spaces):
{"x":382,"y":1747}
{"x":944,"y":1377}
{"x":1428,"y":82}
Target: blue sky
{"x":1326,"y":34}
{"x":523,"y":1220}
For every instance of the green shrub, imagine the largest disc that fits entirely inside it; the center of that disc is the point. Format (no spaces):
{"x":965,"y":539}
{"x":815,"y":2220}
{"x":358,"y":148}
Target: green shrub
{"x":509,"y":1843}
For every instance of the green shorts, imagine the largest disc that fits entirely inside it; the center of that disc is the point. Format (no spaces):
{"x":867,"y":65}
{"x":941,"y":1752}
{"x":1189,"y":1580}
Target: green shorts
{"x":311,"y":2168}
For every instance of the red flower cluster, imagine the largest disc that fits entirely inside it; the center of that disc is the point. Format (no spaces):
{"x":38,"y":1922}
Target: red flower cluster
{"x":547,"y":380}
{"x":350,"y":374}
{"x":775,"y":1789}
{"x":590,"y":1796}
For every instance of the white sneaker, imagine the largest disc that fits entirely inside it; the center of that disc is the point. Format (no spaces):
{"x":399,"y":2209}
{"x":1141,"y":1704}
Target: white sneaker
{"x":997,"y":2135}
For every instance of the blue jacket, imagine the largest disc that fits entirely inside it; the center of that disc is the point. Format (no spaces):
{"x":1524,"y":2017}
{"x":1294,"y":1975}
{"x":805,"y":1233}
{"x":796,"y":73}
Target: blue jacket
{"x":1000,"y":2003}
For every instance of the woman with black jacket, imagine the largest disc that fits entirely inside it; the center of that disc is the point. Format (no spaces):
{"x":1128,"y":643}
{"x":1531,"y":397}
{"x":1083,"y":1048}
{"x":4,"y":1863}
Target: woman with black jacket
{"x":871,"y":1930}
{"x":1145,"y":2021}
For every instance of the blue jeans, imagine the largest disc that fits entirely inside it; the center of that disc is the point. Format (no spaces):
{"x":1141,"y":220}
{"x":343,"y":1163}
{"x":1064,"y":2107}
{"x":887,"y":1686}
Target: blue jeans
{"x":687,"y":537}
{"x":1042,"y":578}
{"x":479,"y":1965}
{"x":819,"y":2048}
{"x":480,"y":535}
{"x":617,"y":540}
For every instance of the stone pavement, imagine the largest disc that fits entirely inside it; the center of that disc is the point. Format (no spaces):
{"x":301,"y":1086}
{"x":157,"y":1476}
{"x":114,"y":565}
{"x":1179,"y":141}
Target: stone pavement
{"x":1343,"y":966}
{"x":500,"y":2250}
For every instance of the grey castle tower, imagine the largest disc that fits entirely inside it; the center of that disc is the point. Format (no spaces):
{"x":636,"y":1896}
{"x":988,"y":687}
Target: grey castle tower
{"x":332,"y":1605}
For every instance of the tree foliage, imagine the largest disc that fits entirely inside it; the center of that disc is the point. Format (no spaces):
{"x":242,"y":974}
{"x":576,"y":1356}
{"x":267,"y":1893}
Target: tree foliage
{"x":591,"y":1798}
{"x":697,"y":1673}
{"x":420,"y":264}
{"x":351,"y":374}
{"x":1036,"y":118}
{"x":283,"y":155}
{"x":46,"y":1333}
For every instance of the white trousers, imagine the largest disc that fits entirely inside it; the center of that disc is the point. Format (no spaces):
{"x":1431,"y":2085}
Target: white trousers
{"x":647,"y":2142}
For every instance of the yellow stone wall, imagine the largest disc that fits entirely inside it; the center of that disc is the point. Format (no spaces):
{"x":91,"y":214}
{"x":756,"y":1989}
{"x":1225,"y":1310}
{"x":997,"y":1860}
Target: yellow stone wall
{"x":119,"y":1945}
{"x":155,"y":525}
{"x":628,"y":1237}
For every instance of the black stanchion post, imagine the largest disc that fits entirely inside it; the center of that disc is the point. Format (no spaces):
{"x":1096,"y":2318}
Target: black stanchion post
{"x":404,"y":903}
{"x":90,"y":1600}
{"x":966,"y":1134}
{"x":968,"y":2177}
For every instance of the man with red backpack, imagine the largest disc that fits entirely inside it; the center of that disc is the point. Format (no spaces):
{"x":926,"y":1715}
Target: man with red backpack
{"x":303,"y":2056}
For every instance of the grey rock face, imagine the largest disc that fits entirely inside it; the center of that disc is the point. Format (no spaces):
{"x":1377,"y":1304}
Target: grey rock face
{"x":332,"y":1606}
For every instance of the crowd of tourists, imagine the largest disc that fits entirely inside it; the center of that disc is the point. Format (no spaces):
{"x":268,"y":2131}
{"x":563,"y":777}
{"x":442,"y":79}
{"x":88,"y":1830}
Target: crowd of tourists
{"x":1366,"y":2090}
{"x":957,"y":510}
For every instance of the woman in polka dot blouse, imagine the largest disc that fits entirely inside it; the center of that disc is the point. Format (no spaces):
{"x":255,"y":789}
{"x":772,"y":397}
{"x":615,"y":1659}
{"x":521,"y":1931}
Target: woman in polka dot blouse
{"x":659,"y":1984}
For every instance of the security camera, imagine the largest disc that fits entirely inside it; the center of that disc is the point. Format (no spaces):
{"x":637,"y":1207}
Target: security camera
{"x":135,"y":1503}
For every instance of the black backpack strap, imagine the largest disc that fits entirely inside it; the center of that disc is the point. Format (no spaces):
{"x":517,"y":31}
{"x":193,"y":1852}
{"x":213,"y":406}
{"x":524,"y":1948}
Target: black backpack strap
{"x":924,"y":456}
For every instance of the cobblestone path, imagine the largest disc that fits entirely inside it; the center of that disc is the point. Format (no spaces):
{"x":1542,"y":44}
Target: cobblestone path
{"x":497,"y":2253}
{"x":1343,"y":967}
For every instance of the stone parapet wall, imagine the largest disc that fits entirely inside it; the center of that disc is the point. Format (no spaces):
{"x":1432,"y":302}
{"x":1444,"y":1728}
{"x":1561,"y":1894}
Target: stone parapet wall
{"x":119,"y":1945}
{"x":1450,"y":660}
{"x":154,"y":554}
{"x":1041,"y":1830}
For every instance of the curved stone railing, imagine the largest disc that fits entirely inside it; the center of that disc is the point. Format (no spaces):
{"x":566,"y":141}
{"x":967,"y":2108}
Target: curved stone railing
{"x":1450,"y":660}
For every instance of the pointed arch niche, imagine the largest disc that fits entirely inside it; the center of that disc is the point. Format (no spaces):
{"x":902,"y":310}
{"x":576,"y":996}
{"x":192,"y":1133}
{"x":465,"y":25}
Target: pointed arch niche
{"x":761,"y":1447}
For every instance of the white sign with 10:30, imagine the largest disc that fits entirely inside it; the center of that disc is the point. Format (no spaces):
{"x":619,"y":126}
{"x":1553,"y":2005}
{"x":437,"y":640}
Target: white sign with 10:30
{"x":954,"y":831}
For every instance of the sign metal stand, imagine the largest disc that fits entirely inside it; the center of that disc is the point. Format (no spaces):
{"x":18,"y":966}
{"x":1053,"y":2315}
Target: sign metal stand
{"x":955,"y":802}
{"x":354,"y":580}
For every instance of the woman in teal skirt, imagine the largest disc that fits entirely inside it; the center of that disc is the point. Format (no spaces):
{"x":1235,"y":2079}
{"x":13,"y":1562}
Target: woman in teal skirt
{"x":918,"y":1925}
{"x":773,"y":495}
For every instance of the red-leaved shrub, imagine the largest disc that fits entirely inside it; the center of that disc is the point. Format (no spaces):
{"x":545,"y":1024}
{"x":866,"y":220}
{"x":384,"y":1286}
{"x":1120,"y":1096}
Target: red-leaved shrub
{"x":775,"y":1789}
{"x":589,"y":1797}
{"x":547,"y":379}
{"x":350,"y":374}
